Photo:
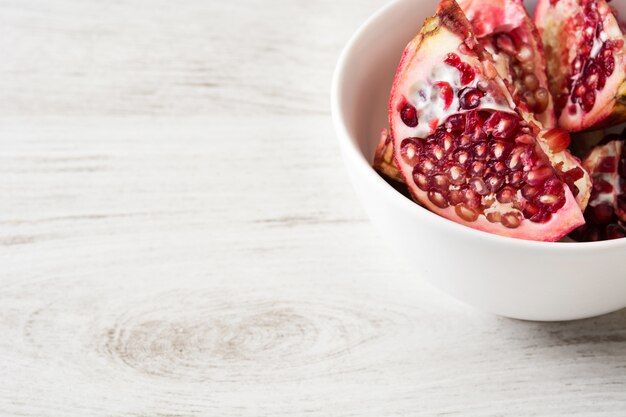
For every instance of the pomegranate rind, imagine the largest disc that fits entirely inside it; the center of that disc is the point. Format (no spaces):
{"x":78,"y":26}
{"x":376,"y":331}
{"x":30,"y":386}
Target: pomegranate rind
{"x":384,"y":162}
{"x":564,"y":161}
{"x":441,"y":35}
{"x":561,"y":33}
{"x":489,"y":17}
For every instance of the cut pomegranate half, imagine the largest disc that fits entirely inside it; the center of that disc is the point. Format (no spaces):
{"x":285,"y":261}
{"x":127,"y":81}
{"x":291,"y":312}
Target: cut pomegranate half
{"x":504,"y":28}
{"x":472,"y":158}
{"x":606,"y":213}
{"x":586,"y":62}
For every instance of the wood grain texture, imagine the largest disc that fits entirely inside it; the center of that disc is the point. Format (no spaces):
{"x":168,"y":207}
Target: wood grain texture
{"x":178,"y":236}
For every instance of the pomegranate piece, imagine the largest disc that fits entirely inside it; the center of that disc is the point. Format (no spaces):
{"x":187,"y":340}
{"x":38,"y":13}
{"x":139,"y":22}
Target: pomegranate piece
{"x":606,"y":213}
{"x":469,"y":160}
{"x":504,"y":28}
{"x":586,"y":62}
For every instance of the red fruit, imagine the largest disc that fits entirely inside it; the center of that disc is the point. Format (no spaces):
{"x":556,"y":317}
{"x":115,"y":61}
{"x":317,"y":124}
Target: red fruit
{"x":586,"y":62}
{"x":606,"y":213}
{"x":504,"y":28}
{"x":461,"y":172}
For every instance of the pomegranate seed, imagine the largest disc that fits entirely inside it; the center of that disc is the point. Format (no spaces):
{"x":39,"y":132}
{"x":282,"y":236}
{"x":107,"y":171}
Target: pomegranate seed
{"x":462,"y":157}
{"x":530,"y":210}
{"x":470,"y":198}
{"x":498,"y":167}
{"x":529,"y":192}
{"x":588,"y":101}
{"x":535,"y":214}
{"x":435,"y":151}
{"x":514,"y":161}
{"x":525,"y":53}
{"x":500,"y":150}
{"x":506,"y":126}
{"x":467,"y":72}
{"x":480,"y":150}
{"x":511,"y":220}
{"x":452,"y":59}
{"x":408,"y":114}
{"x":478,"y":168}
{"x":439,"y":183}
{"x":573,"y":175}
{"x":606,"y":164}
{"x":505,"y":43}
{"x":516,"y":179}
{"x":602,"y":213}
{"x":601,"y":186}
{"x":446,"y":93}
{"x":425,"y":166}
{"x":455,"y":122}
{"x":557,"y":139}
{"x":531,"y":82}
{"x":542,"y":99}
{"x":437,"y":199}
{"x":614,"y":231}
{"x":410,"y":150}
{"x":529,"y":99}
{"x":506,"y":195}
{"x":456,"y":174}
{"x":528,"y":67}
{"x":478,"y":185}
{"x":539,"y":175}
{"x":608,"y":65}
{"x":552,"y":203}
{"x":524,"y":140}
{"x":455,"y":197}
{"x":469,"y":98}
{"x":494,"y":182}
{"x":420,"y":180}
{"x":466,"y":213}
{"x":494,"y":217}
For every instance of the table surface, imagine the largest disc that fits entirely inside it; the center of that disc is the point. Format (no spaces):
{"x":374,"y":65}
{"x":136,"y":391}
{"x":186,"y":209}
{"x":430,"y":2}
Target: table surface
{"x":178,"y":236}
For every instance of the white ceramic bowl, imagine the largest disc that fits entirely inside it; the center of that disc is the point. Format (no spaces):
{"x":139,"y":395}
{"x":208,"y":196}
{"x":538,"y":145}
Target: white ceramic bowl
{"x":505,"y":276}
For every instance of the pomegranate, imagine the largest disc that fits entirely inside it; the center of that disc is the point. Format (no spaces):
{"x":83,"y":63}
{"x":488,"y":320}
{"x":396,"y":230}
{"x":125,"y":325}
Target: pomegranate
{"x":586,"y":62}
{"x":463,"y":149}
{"x":606,"y":213}
{"x":504,"y":28}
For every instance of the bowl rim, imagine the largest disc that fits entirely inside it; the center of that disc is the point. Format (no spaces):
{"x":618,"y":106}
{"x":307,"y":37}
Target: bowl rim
{"x":348,"y":144}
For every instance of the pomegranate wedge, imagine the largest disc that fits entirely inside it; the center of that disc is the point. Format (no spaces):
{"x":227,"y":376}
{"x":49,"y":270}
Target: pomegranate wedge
{"x":586,"y":62}
{"x":504,"y":28}
{"x":464,"y":150}
{"x":606,"y":213}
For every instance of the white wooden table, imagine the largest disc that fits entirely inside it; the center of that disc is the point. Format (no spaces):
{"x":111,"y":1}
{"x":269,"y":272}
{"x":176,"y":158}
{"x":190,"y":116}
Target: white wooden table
{"x":178,"y":236}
